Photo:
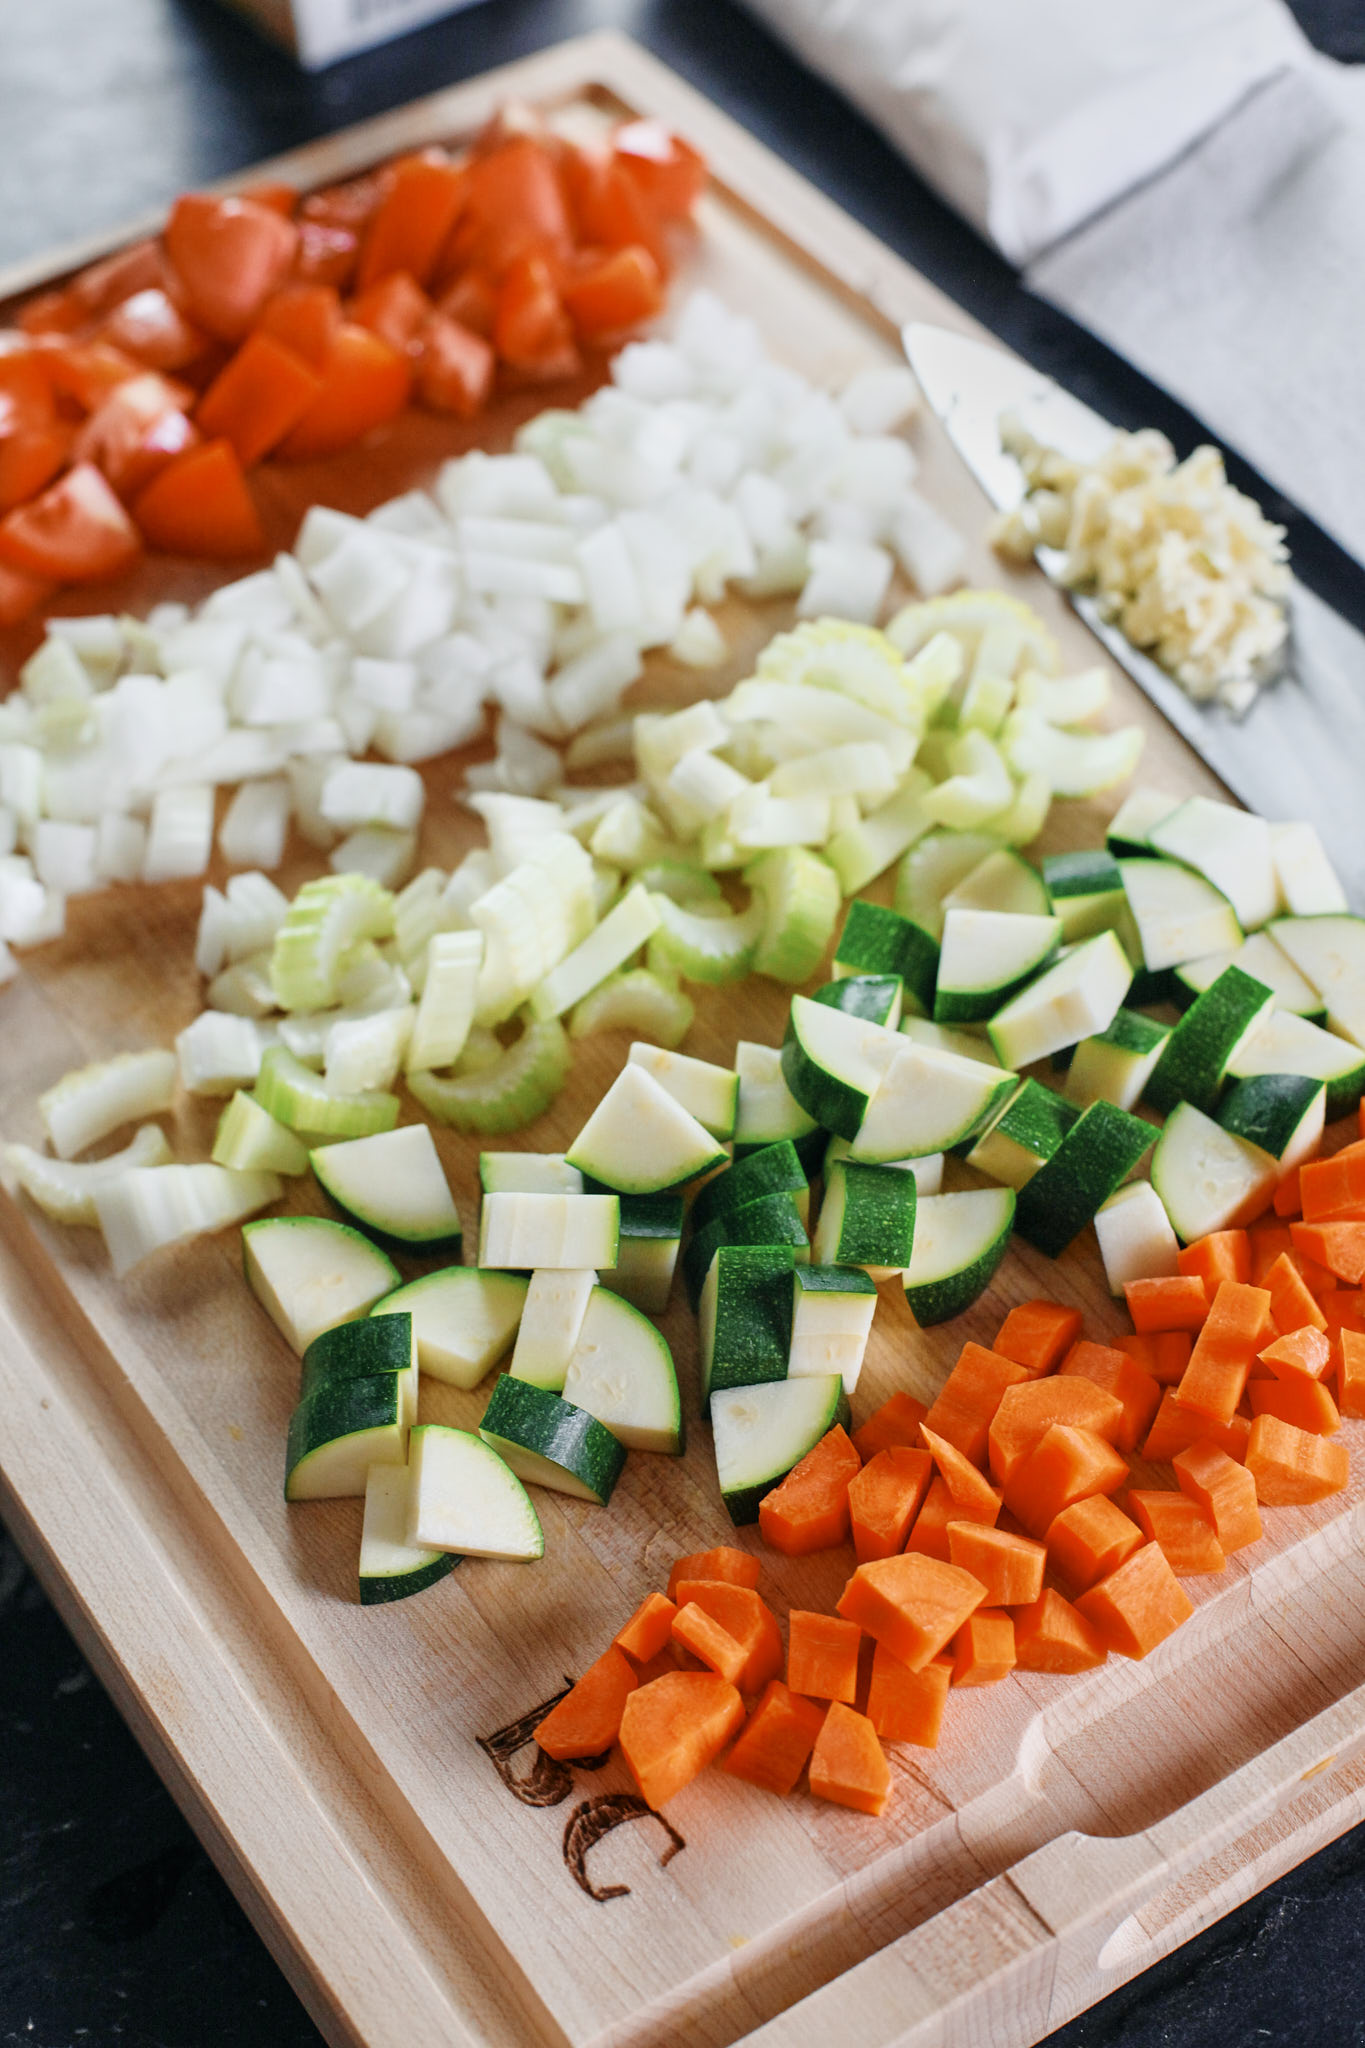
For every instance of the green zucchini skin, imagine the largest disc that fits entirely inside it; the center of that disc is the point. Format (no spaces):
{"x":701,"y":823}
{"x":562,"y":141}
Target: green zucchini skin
{"x":1194,"y":1060}
{"x":358,"y":1350}
{"x":875,"y":940}
{"x":821,"y":1411}
{"x":985,"y":1217}
{"x":773,"y":1219}
{"x":750,"y":1304}
{"x":1096,"y":1156}
{"x":771,"y":1170}
{"x":877,"y":1224}
{"x":877,"y":997}
{"x":531,"y":1419}
{"x":1270,"y":1110}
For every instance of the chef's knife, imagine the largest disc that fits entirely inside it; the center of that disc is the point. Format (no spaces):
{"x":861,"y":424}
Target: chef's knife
{"x":1299,"y":751}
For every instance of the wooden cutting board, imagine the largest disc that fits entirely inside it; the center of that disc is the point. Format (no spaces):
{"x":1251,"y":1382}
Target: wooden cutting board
{"x":365,"y":1777}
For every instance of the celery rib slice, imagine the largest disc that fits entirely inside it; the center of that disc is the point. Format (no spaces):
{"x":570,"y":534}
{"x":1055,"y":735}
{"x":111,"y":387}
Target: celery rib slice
{"x":512,"y":1092}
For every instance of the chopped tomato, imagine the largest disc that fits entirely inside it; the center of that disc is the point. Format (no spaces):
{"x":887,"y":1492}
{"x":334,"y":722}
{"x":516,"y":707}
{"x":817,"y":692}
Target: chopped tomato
{"x":609,"y":293}
{"x":279,"y":198}
{"x":409,"y":227}
{"x":254,"y":402}
{"x":76,"y":532}
{"x":229,"y":255}
{"x":456,"y":368}
{"x":21,"y":594}
{"x":396,"y":309}
{"x":201,"y":505}
{"x":514,"y":205}
{"x":473,"y":301}
{"x":610,"y":211}
{"x":85,"y":372}
{"x":326,"y":255}
{"x":137,"y":431}
{"x":667,"y":170}
{"x":532,"y":332}
{"x":364,"y":383}
{"x":150,"y":327}
{"x":30,"y":456}
{"x":305,"y":317}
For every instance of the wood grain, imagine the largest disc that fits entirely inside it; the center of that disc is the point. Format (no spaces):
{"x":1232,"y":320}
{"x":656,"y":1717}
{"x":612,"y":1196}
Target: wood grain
{"x":332,"y":1756}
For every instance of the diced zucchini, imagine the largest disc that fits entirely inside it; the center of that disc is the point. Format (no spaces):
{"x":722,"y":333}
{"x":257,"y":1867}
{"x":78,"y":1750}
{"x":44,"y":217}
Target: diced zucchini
{"x":463,"y":1497}
{"x":548,"y":1442}
{"x":832,"y":1312}
{"x":1330,"y":951}
{"x":393,"y":1185}
{"x":800,"y":897}
{"x":1132,"y":823}
{"x":1135,"y":1236}
{"x":1307,"y":881}
{"x":767,"y":1110}
{"x":390,"y":1567}
{"x":551,"y":1318}
{"x":1076,"y":998}
{"x":1230,"y":848}
{"x":772,"y":1219}
{"x":875,"y":940}
{"x":528,"y":1173}
{"x":1024,"y":1135}
{"x":1085,"y":890}
{"x":772,"y":1170}
{"x":927,"y":1170}
{"x":363,"y":1350}
{"x":1207,"y":1178}
{"x":1094,"y":1158}
{"x":464,"y":1320}
{"x":761,"y":1431}
{"x":1179,"y":916}
{"x":641,"y":1142}
{"x":986,"y":956}
{"x":1116,"y":1065}
{"x":867,"y":1218}
{"x":310,"y":1274}
{"x":927,"y":1101}
{"x":1194,"y":1060}
{"x":966,"y":1044}
{"x":707,"y":1092}
{"x":859,"y":852}
{"x":1283,"y":1114}
{"x":651,"y":1236}
{"x":875,"y":997}
{"x":1261,"y":958}
{"x":932,"y":869}
{"x":570,"y":1232}
{"x":833,"y":1063}
{"x":960,"y":1240}
{"x":1003,"y":881}
{"x":744,"y":1316}
{"x":1282,"y":1044}
{"x":342,"y":1429}
{"x":622,"y":1372}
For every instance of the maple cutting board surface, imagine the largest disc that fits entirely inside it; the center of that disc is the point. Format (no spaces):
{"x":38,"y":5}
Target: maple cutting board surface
{"x":366,"y":1776}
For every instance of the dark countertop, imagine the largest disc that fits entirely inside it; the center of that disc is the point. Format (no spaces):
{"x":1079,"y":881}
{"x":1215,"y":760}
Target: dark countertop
{"x":114,"y":1925}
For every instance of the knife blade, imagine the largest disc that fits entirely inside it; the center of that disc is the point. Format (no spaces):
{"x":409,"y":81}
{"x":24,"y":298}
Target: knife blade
{"x":1299,"y":750}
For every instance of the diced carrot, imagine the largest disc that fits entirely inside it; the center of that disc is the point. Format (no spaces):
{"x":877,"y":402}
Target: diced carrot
{"x":1306,"y":1351}
{"x":905,"y":1705}
{"x":613,"y":291}
{"x":456,"y":368}
{"x":695,"y":1630}
{"x":1116,"y":1373}
{"x":588,"y":1718}
{"x":1181,"y":1526}
{"x":364,"y":384}
{"x":1179,"y":1302}
{"x":774,"y":1748}
{"x":21,"y":594}
{"x":1224,"y":1489}
{"x":1051,"y":1635}
{"x":228,"y":255}
{"x":647,"y":1632}
{"x":983,"y":1648}
{"x":1222,"y":1255}
{"x":514,"y":203}
{"x":1340,"y":1247}
{"x":1065,"y":1466}
{"x":413,"y":220}
{"x":1009,"y":1567}
{"x":1292,"y":1307}
{"x":1225,"y":1349}
{"x":1304,"y":1402}
{"x":1089,"y":1540}
{"x":884,"y":1498}
{"x":610,"y":211}
{"x":327,"y":254}
{"x":970,"y":1488}
{"x":1319,"y":1282}
{"x":743,"y":1615}
{"x":531,"y":329}
{"x":822,"y":1655}
{"x":668,"y":171}
{"x":929,"y":1537}
{"x":200,"y":504}
{"x":1350,"y":1355}
{"x":1162,"y":1353}
{"x":736,"y":1567}
{"x":1037,"y":1335}
{"x":472,"y":302}
{"x":673,"y":1727}
{"x":969,"y":1397}
{"x":809,"y":1510}
{"x":75,"y":531}
{"x":396,"y":309}
{"x":1332,"y":1187}
{"x":1287,"y":1202}
{"x":100,"y":287}
{"x":30,"y":456}
{"x":1177,"y":1427}
{"x":847,"y":1764}
{"x":85,"y":372}
{"x":279,"y":197}
{"x":897,"y":1421}
{"x":1026,"y":1414}
{"x":151,"y":328}
{"x":350,"y":205}
{"x":1344,"y":1310}
{"x":258,"y":397}
{"x":913,"y":1604}
{"x":1291,"y":1467}
{"x":1268,"y":1242}
{"x":305,"y":317}
{"x":1138,"y":1605}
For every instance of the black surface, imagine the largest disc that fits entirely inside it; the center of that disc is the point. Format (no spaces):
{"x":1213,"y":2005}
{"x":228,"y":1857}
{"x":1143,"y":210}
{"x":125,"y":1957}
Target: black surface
{"x":114,"y":1927}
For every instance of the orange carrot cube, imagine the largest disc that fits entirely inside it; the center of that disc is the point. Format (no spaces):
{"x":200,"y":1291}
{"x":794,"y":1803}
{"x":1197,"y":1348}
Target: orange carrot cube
{"x":647,"y":1632}
{"x":1351,"y":1372}
{"x":895,"y":1423}
{"x":929,"y":1536}
{"x":905,"y":1705}
{"x":1066,"y":1466}
{"x":744,"y":1615}
{"x":1291,"y":1467}
{"x":588,"y":1718}
{"x":983,"y":1648}
{"x":848,"y":1765}
{"x":695,"y":1631}
{"x":1340,"y":1247}
{"x":1292,"y":1304}
{"x":1009,"y":1567}
{"x":1224,"y":1489}
{"x":1178,"y":1303}
{"x":884,"y":1499}
{"x":736,"y":1566}
{"x":1051,"y":1635}
{"x":1333,"y":1187}
{"x":1304,"y":1402}
{"x":969,"y":1397}
{"x":1027,"y":1413}
{"x":969,"y":1487}
{"x":1223,"y":1255}
{"x":913,"y":1604}
{"x":1177,"y":1427}
{"x":673,"y":1727}
{"x":1138,"y":1605}
{"x":1225,"y":1349}
{"x":1304,"y":1353}
{"x":1114,"y":1372}
{"x":809,"y":1510}
{"x":822,"y":1655}
{"x":1037,"y":1335}
{"x":1089,"y":1540}
{"x":1181,"y":1526}
{"x":777,"y":1741}
{"x":1162,"y":1353}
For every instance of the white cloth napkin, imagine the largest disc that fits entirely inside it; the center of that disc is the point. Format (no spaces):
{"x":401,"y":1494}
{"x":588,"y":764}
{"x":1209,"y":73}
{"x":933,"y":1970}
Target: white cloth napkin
{"x":1032,"y":115}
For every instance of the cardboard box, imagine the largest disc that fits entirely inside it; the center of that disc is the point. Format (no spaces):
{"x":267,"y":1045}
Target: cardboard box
{"x":320,"y":32}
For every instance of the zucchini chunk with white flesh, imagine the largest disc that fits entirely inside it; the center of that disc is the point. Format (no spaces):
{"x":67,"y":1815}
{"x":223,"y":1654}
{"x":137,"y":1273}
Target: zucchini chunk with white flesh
{"x":1116,"y":1065}
{"x":462,"y":1497}
{"x":927,"y":1170}
{"x":622,"y":1372}
{"x":640,"y":1141}
{"x":394,"y":1185}
{"x":834,"y":1063}
{"x":707,"y":1092}
{"x":1283,"y":1114}
{"x":772,"y":1219}
{"x":986,"y":956}
{"x":528,"y":1173}
{"x":931,"y":871}
{"x":1281,"y":1044}
{"x":339,"y":1431}
{"x":767,"y":1110}
{"x":150,"y":1207}
{"x":390,"y":1566}
{"x":556,"y":1303}
{"x":1002,"y":881}
{"x":1307,"y":880}
{"x":745,"y":1316}
{"x":967,"y":1045}
{"x":960,"y":1240}
{"x":1135,"y":1236}
{"x":89,"y":1103}
{"x":1085,"y":890}
{"x":651,"y":1238}
{"x":1024,"y":1136}
{"x":309,"y":1274}
{"x":879,"y":941}
{"x":1094,"y":1158}
{"x":250,"y":1140}
{"x":876,"y":997}
{"x":464,"y":1320}
{"x":1330,"y":952}
{"x":1261,"y":958}
{"x":1075,"y":999}
{"x":927,"y":1101}
{"x":867,"y":1218}
{"x":772,"y":1170}
{"x":1131,"y":825}
{"x":363,"y":1350}
{"x":302,"y":1100}
{"x":1207,"y":1178}
{"x":548,"y":1442}
{"x":1178,"y":915}
{"x":571,"y":1232}
{"x":761,"y":1431}
{"x":1194,"y":1060}
{"x":65,"y":1189}
{"x":1228,"y":847}
{"x":832,"y":1311}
